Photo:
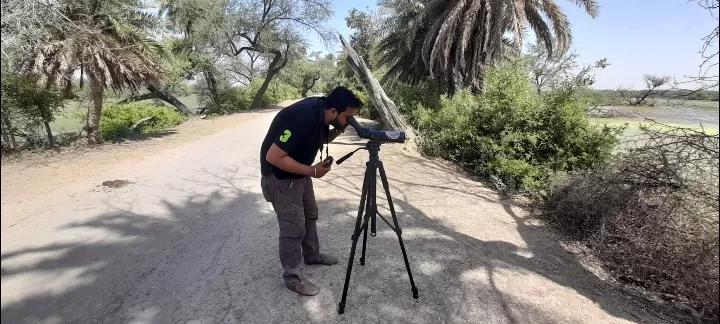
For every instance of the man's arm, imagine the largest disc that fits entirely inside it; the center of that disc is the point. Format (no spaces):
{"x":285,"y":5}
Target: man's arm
{"x":292,"y":134}
{"x":279,"y":158}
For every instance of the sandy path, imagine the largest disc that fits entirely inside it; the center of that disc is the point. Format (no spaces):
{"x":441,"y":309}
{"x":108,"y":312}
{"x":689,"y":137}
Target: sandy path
{"x":191,"y":240}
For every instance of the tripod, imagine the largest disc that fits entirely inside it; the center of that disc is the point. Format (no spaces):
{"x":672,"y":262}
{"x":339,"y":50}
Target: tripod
{"x":369,"y":205}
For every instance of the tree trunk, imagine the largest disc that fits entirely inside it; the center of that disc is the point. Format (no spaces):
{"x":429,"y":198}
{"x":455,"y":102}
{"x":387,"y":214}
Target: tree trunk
{"x":169,"y":98}
{"x":271,"y":72}
{"x":51,"y":139}
{"x":93,"y":120}
{"x":257,"y":101}
{"x":149,"y":95}
{"x":385,"y":106}
{"x":307,"y":88}
{"x":7,"y":132}
{"x":212,"y":86}
{"x":155,"y":92}
{"x":45,"y":114}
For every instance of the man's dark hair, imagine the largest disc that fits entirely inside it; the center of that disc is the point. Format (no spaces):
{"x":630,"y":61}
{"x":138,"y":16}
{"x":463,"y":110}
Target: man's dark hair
{"x":342,"y":98}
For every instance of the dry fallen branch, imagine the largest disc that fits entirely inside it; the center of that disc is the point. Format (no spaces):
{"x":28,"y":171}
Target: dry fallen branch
{"x":389,"y":113}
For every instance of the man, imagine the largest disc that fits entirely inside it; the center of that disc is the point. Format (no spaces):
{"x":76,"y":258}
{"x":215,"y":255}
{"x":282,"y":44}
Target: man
{"x":295,"y":136}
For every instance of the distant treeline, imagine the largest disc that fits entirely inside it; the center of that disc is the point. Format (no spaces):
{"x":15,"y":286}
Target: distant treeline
{"x":612,"y":97}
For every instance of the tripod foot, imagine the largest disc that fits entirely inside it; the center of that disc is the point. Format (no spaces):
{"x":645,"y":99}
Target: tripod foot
{"x":362,"y":262}
{"x":341,"y":308}
{"x":415,"y":293}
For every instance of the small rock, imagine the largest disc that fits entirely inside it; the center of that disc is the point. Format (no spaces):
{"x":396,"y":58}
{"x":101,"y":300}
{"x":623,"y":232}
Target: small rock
{"x":116,"y":183}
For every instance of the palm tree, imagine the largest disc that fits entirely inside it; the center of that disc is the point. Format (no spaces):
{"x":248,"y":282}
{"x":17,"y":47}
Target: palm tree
{"x":110,"y":44}
{"x":455,"y":41}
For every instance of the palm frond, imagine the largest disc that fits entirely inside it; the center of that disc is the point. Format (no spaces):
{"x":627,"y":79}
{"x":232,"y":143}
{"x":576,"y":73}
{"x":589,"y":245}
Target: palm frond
{"x":453,"y":40}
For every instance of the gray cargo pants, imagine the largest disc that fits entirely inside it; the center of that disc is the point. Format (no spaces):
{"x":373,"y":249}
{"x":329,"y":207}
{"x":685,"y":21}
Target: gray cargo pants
{"x":297,"y":212}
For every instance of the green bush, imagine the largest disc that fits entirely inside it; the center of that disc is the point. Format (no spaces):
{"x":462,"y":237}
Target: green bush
{"x":411,"y":99}
{"x":368,"y":110}
{"x":514,"y":134}
{"x":232,"y":100}
{"x":116,"y":119}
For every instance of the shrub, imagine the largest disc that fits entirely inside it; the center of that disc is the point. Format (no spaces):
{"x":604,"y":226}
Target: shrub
{"x":116,"y":119}
{"x":513,"y":134}
{"x":31,"y":108}
{"x":411,"y":99}
{"x":368,"y":111}
{"x":232,"y":100}
{"x":651,"y":216}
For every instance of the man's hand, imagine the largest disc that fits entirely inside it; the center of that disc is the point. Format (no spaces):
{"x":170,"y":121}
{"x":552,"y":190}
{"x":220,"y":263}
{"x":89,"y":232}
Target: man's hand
{"x":321,"y":170}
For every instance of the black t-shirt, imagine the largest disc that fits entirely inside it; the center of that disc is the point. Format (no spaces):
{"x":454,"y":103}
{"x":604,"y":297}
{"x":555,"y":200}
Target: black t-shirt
{"x":298,"y":129}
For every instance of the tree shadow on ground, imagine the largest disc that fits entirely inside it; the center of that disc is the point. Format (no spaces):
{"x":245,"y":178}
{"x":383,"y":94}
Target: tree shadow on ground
{"x":212,"y":258}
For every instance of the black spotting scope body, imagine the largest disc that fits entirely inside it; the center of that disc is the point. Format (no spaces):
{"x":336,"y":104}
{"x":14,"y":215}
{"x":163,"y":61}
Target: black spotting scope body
{"x":377,"y":135}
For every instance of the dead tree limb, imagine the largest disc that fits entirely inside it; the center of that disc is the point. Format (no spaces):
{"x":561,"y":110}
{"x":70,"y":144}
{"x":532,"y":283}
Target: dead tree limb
{"x":156,"y":92}
{"x":389,"y":113}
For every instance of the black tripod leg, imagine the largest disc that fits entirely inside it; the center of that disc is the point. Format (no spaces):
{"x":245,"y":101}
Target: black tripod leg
{"x":370,"y":208}
{"x":398,"y":231}
{"x":355,"y":236}
{"x":365,"y":230}
{"x":373,"y":202}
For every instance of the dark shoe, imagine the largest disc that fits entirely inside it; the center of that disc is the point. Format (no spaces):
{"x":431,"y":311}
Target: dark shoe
{"x":304,"y":287}
{"x":324,"y":259}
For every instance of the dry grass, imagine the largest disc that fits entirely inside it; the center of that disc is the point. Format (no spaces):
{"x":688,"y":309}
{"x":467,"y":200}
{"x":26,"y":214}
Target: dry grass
{"x":651,"y":216}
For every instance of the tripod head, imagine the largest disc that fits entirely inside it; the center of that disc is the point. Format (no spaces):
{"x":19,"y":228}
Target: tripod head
{"x":372,"y":146}
{"x":376,"y":138}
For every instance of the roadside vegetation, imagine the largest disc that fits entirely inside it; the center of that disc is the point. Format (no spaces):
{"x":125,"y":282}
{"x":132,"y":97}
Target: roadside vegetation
{"x":640,"y":192}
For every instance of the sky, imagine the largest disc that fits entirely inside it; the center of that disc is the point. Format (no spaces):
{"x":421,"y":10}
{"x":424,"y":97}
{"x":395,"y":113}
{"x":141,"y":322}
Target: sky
{"x":637,"y":37}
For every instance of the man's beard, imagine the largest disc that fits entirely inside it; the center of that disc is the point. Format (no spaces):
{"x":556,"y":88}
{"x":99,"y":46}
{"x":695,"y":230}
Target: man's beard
{"x":336,"y":123}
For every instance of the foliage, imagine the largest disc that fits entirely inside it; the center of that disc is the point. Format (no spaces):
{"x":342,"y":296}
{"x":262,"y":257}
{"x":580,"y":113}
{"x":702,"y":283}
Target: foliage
{"x":651,"y":215}
{"x":410,"y":99}
{"x":231,"y":100}
{"x":273,"y":29}
{"x":32,"y":107}
{"x":654,"y":86}
{"x":309,"y":74}
{"x":513,"y":134}
{"x":237,"y":99}
{"x":111,"y":44}
{"x":546,"y":70}
{"x":457,"y":41}
{"x":117,"y":119}
{"x":276,"y":92}
{"x":366,"y":36}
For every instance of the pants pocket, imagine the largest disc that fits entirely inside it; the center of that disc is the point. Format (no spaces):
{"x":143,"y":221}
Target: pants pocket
{"x":284,"y":185}
{"x":291,"y":222}
{"x":264,"y":186}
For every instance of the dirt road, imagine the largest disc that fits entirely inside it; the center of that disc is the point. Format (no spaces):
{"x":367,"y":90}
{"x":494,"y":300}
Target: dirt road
{"x":189,"y":239}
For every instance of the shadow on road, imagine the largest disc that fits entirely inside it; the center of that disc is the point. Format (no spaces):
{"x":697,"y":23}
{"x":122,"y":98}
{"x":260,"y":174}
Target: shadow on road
{"x":213,"y":258}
